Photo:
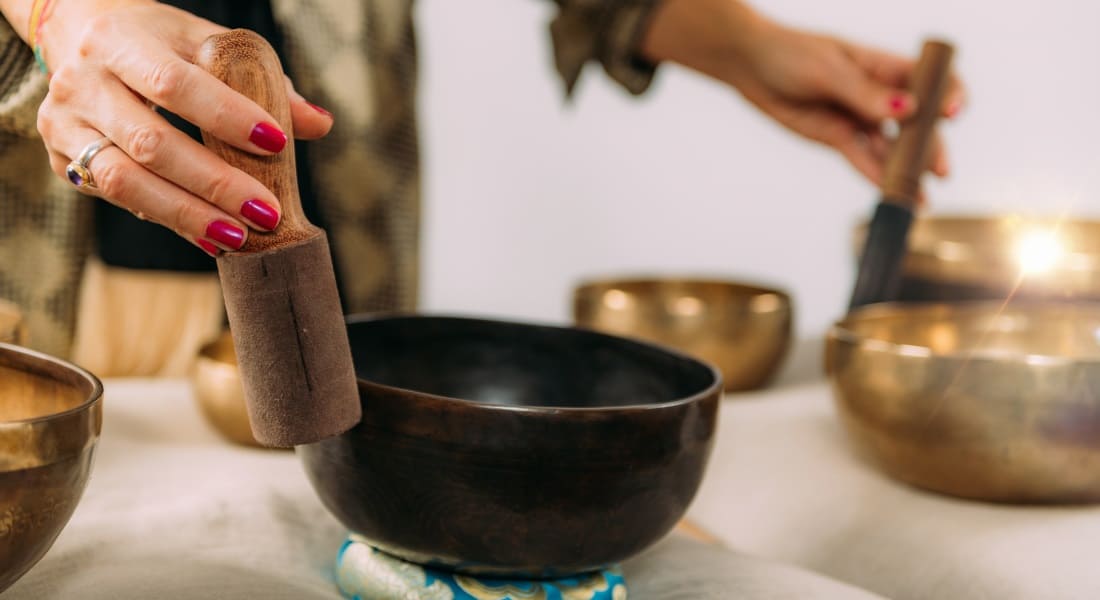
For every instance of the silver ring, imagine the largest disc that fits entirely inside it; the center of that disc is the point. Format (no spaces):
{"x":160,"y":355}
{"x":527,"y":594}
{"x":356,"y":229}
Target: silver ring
{"x":78,"y":172}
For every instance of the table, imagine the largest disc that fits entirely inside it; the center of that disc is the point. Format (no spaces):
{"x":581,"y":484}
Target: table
{"x":173,"y":512}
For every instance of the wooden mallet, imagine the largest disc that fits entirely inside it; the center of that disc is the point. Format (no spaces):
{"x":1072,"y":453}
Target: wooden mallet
{"x":280,"y":289}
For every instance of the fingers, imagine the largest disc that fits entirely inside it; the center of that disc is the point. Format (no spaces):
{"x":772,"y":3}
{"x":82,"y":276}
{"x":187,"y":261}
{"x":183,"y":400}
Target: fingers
{"x":895,"y":71}
{"x":872,"y":100}
{"x":938,"y":163}
{"x":311,"y":122}
{"x":159,"y":147}
{"x":125,"y":183}
{"x":197,"y":96}
{"x":955,"y":99}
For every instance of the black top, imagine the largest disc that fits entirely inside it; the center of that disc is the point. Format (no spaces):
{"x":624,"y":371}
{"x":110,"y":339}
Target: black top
{"x":125,"y":241}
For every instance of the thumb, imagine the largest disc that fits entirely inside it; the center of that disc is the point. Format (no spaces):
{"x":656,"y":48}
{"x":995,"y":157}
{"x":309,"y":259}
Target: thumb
{"x":871,"y":100}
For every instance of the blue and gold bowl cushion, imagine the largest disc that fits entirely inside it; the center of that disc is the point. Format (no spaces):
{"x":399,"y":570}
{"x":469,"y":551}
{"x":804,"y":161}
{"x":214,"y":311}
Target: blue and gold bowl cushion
{"x":364,"y":573}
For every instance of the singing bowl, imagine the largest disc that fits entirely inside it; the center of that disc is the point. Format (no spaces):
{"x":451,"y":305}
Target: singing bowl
{"x":12,"y":328}
{"x":50,"y":418}
{"x":978,"y":399}
{"x":744,"y":330}
{"x":220,"y":392}
{"x":513,"y":449}
{"x":984,"y":258}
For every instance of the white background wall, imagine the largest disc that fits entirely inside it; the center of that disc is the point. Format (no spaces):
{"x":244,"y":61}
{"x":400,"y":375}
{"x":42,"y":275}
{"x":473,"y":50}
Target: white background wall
{"x":525,"y":195}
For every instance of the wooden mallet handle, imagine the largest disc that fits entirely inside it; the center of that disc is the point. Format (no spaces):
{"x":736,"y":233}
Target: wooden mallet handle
{"x":912,"y":150}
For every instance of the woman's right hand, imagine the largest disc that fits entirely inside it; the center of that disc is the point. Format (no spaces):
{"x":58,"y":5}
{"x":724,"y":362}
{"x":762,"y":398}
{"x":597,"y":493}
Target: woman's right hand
{"x":109,"y":70}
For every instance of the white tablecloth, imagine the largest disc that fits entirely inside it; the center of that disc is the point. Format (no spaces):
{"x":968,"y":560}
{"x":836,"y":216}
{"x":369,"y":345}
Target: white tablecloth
{"x":173,"y":512}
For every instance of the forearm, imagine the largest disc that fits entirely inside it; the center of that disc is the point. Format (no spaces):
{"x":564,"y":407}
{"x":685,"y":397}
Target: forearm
{"x":713,"y":37}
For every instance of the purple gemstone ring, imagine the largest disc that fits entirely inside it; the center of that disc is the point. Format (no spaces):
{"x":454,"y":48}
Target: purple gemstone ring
{"x":78,"y":172}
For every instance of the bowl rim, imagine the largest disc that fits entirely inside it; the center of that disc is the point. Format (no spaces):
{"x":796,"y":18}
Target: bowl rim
{"x":714,"y":388}
{"x":750,"y":289}
{"x":841,"y":332}
{"x":93,"y":398}
{"x":930,"y":259}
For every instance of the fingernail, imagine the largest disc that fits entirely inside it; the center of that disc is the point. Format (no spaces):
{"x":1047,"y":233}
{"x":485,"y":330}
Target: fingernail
{"x":210,"y":249}
{"x":953,"y":109}
{"x":260,"y":213}
{"x":268,"y":137}
{"x":899,"y":103}
{"x":226,"y":234}
{"x":319,"y":109}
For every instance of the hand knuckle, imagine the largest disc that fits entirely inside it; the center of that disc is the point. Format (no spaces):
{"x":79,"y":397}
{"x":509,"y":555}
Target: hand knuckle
{"x":183,"y":215}
{"x":97,"y":29}
{"x":110,"y":178}
{"x":63,"y":86}
{"x":165,"y":80}
{"x":145,"y":143}
{"x":224,"y":115}
{"x":219,"y":186}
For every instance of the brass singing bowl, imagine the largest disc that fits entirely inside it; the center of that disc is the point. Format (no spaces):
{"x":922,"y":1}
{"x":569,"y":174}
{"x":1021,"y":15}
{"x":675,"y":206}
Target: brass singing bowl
{"x":975,"y":258}
{"x":50,"y":419}
{"x":220,"y":392}
{"x":744,"y":330}
{"x":12,"y":328}
{"x":975,"y":399}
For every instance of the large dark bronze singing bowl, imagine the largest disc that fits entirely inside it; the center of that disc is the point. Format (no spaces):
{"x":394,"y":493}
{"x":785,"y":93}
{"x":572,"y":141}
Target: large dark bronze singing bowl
{"x":506,"y":448}
{"x":50,"y":418}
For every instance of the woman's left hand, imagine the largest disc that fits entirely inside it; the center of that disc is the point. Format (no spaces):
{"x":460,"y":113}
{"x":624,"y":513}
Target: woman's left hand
{"x":826,"y":89}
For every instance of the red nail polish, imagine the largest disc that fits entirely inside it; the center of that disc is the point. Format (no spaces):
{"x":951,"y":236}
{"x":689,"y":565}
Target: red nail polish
{"x":898,"y":103}
{"x":268,"y":136}
{"x":260,"y":213}
{"x":226,"y":234}
{"x":953,"y":109}
{"x":319,"y":109}
{"x":210,"y":249}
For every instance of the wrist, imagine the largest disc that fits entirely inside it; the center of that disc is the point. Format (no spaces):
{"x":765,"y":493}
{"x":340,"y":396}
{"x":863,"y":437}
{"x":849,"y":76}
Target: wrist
{"x":718,"y":38}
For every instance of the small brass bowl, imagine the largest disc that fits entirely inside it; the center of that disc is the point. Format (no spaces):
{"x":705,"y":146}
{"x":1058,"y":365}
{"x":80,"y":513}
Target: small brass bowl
{"x":980,"y":400}
{"x":985,"y":258}
{"x":220,"y":393}
{"x":12,"y":328}
{"x":50,"y":419}
{"x":744,"y":330}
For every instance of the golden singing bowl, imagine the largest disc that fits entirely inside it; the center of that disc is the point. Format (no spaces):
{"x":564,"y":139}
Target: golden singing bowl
{"x":220,"y":393}
{"x":970,"y":257}
{"x":50,"y":419}
{"x":12,"y":328}
{"x":976,"y":399}
{"x":741,"y":329}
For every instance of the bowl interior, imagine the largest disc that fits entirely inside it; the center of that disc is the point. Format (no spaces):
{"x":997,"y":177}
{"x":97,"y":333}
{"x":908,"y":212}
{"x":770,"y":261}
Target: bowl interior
{"x":1028,"y":331}
{"x":500,"y":363}
{"x":35,"y":387}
